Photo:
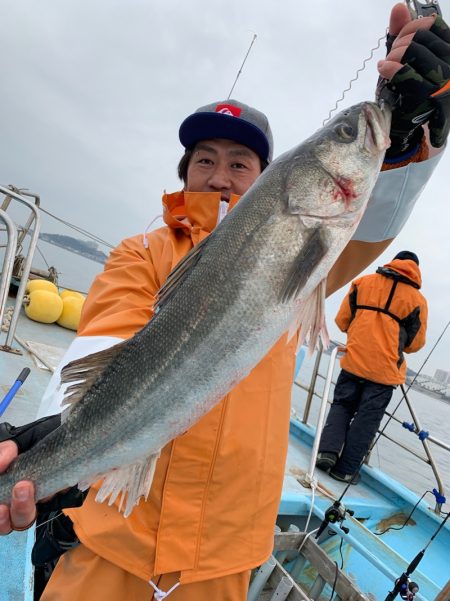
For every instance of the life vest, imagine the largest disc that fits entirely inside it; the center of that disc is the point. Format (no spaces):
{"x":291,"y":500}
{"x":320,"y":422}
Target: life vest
{"x":384,"y":316}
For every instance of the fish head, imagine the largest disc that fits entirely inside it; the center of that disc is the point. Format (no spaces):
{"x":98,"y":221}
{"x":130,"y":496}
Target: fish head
{"x":332,"y":174}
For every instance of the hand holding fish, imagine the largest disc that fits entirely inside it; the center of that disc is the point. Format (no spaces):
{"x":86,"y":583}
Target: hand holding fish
{"x":22,"y":512}
{"x":416,"y":73}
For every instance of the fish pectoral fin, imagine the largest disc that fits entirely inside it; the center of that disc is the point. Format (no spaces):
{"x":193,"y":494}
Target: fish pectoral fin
{"x":130,"y":481}
{"x":178,"y":274}
{"x":85,"y":371}
{"x":312,"y":252}
{"x":310,"y":320}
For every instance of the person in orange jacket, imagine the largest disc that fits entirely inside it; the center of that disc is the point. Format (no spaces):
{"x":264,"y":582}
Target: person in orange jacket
{"x":212,"y":507}
{"x":384,"y":316}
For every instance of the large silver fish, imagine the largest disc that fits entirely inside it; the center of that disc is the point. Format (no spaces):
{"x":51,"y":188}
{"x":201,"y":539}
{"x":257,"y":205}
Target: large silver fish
{"x":261,"y":273}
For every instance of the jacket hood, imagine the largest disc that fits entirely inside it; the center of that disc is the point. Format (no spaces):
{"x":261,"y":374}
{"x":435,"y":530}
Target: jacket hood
{"x":407,"y":268}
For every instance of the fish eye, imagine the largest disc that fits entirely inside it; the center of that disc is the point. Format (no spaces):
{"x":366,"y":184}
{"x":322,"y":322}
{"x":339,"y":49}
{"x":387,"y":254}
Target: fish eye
{"x":345,"y":131}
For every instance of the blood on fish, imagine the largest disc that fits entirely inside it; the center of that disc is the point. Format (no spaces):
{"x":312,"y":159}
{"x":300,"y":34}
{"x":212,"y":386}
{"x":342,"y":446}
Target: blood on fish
{"x":346,"y":190}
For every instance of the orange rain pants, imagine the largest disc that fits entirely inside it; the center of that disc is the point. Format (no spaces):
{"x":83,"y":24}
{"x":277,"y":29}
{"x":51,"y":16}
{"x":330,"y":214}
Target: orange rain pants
{"x":80,"y":575}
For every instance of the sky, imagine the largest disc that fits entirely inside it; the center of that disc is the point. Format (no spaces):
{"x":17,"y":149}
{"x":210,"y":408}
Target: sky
{"x":94,"y":92}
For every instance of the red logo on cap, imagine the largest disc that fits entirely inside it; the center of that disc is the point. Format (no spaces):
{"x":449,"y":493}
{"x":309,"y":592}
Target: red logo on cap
{"x":228,"y":109}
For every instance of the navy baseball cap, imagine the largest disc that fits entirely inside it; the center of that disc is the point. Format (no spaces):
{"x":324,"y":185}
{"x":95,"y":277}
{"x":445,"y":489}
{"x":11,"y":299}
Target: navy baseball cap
{"x":407,"y":254}
{"x":231,"y":120}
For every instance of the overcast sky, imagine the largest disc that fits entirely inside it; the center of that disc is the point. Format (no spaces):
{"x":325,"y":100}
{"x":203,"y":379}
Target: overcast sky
{"x":93,"y":92}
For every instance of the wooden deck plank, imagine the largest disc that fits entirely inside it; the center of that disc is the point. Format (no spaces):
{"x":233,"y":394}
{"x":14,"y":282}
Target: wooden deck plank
{"x":326,"y":568}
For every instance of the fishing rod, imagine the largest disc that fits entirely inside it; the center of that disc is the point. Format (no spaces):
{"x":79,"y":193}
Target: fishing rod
{"x":404,"y":393}
{"x":337,"y":512}
{"x":426,"y":358}
{"x":403,"y":585}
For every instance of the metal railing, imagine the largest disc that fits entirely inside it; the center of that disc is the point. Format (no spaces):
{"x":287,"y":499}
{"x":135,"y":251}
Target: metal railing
{"x":13,"y":246}
{"x":324,"y":400}
{"x":323,"y":407}
{"x":8,"y":260}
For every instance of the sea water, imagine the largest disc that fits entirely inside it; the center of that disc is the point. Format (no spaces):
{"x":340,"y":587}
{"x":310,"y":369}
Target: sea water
{"x":433,"y":416}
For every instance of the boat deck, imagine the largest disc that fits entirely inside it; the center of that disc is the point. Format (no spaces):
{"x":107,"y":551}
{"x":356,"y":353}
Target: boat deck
{"x":50,"y":341}
{"x":378,"y":502}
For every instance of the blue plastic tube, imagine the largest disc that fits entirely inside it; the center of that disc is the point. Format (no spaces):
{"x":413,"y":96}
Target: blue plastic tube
{"x":14,"y":388}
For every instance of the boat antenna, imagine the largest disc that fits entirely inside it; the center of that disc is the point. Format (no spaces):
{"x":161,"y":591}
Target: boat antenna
{"x":242,"y":66}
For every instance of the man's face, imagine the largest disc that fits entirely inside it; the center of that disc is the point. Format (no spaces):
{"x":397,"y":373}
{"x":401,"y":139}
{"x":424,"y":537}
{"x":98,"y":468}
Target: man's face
{"x":222,"y":166}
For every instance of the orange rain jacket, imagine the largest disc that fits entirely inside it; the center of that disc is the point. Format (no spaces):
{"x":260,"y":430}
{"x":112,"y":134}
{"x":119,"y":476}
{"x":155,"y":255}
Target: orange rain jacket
{"x":384,"y":316}
{"x":215,"y":495}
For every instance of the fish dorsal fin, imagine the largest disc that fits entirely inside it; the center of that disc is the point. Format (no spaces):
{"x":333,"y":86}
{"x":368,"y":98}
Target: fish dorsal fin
{"x":310,"y":320}
{"x":83,"y":372}
{"x":310,"y":255}
{"x":130,"y":481}
{"x":178,"y":274}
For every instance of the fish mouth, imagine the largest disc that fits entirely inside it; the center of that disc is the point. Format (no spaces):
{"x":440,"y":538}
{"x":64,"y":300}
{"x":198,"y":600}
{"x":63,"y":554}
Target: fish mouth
{"x":377,"y":131}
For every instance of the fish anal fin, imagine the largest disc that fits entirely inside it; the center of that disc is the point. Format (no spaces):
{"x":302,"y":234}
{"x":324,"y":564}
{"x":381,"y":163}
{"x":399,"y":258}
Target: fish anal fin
{"x":310,"y":255}
{"x":131,"y":482}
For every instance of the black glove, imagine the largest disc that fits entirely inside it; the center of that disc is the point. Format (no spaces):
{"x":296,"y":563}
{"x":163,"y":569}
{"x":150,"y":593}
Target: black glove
{"x":28,"y":435}
{"x":420,"y":92}
{"x":25,"y":438}
{"x":54,"y":530}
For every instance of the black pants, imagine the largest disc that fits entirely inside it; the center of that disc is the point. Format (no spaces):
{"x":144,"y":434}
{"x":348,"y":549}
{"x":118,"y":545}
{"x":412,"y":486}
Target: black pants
{"x":353,"y":420}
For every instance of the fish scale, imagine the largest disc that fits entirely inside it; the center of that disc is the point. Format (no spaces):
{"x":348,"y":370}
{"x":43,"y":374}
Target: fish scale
{"x":259,"y":274}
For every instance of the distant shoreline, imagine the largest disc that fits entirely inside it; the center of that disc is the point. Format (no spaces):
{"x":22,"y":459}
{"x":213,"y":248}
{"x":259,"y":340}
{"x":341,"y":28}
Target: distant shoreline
{"x":409,"y":378}
{"x":75,"y":246}
{"x":431,"y":393}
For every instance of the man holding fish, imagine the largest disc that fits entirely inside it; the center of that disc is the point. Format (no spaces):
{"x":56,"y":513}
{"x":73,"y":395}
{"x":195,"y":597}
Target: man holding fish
{"x":216,"y":482}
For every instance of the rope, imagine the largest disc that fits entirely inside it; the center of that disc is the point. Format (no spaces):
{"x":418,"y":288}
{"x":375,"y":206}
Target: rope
{"x":313,"y":485}
{"x":159,"y":594}
{"x":7,"y":316}
{"x":144,"y":235}
{"x":78,"y":229}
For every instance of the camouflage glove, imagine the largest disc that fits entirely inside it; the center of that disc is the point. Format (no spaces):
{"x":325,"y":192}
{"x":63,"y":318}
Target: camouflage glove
{"x":420,"y":91}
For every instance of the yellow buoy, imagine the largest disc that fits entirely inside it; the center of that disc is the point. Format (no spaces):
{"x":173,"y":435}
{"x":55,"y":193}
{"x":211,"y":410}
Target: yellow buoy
{"x":70,"y":316}
{"x":64,"y":293}
{"x":40,"y":285}
{"x":43,"y":305}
